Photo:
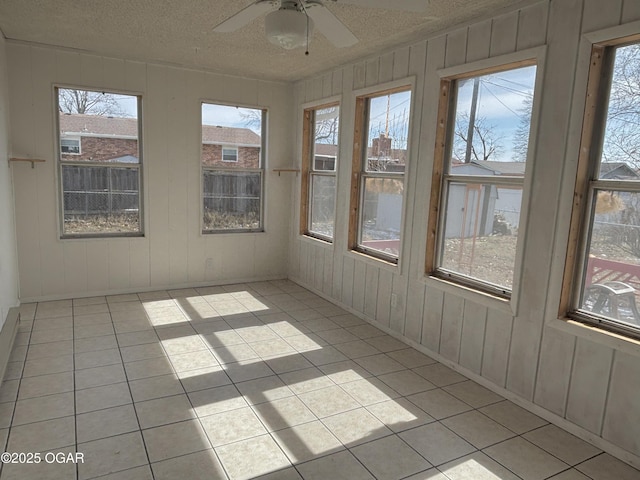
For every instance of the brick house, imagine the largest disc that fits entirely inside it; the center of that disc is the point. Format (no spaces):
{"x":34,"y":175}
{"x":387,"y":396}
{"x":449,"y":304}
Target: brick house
{"x":96,"y":138}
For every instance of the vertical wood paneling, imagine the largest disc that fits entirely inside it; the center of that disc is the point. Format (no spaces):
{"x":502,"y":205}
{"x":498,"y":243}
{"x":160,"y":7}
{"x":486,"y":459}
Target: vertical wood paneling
{"x":319,"y":272}
{"x":400,"y":63}
{"x":359,"y":279}
{"x":495,"y":357}
{"x":75,"y":267}
{"x":359,"y":75}
{"x":337,"y":81}
{"x":452,"y":316}
{"x":372,"y":70}
{"x":397,"y":318}
{"x":67,"y":68}
{"x":456,"y":47}
{"x":386,"y":67}
{"x":415,"y":306}
{"x":371,"y":292}
{"x":43,"y":69}
{"x":432,"y":323}
{"x":92,"y":71}
{"x":113,"y":74}
{"x":595,"y":17}
{"x":24,"y":177}
{"x":554,"y":370}
{"x":564,"y":28}
{"x":119,"y":264}
{"x":504,"y":34}
{"x":622,"y":416}
{"x":97,"y":266}
{"x":311,"y":264}
{"x":139,"y":263}
{"x":156,"y":130}
{"x":177,"y":119}
{"x":383,"y":307}
{"x":135,"y":77}
{"x":327,"y":85}
{"x":479,"y":41}
{"x":532,"y":26}
{"x":589,"y":382}
{"x":348,"y":268}
{"x":304,"y":261}
{"x":473,"y":330}
{"x":630,"y":11}
{"x":327,"y":282}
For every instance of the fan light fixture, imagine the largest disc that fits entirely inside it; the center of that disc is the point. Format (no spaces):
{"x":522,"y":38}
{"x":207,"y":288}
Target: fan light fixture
{"x":287,"y":28}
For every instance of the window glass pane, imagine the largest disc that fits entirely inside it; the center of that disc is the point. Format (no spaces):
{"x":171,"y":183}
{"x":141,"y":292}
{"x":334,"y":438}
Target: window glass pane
{"x":231,"y":200}
{"x":326,"y":127}
{"x":231,"y":137}
{"x":100,"y":199}
{"x":323,"y":203}
{"x":382,"y":214}
{"x":388,"y":132}
{"x":611,"y":277}
{"x":621,"y":147}
{"x":99,"y":131}
{"x":492,"y":123}
{"x":480,"y":232}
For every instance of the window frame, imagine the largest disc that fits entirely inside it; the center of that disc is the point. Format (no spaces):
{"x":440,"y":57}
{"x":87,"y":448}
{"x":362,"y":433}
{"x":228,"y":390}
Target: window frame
{"x":587,"y":183}
{"x":229,"y":149}
{"x":308,"y":170}
{"x":442,"y":154}
{"x":74,"y":139}
{"x":261,"y":170}
{"x":109,"y":165}
{"x":359,"y":174}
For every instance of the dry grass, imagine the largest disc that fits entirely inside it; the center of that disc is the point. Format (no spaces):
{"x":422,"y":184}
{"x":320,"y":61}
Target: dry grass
{"x":97,"y":224}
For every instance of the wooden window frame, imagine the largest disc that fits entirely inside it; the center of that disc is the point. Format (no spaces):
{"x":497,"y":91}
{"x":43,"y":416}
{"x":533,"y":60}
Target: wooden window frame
{"x":441,"y":178}
{"x":586,"y":183}
{"x":359,"y":175}
{"x":308,"y":171}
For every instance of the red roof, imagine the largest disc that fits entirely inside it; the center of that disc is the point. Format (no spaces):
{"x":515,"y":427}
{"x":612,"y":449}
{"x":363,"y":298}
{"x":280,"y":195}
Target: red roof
{"x":86,"y":125}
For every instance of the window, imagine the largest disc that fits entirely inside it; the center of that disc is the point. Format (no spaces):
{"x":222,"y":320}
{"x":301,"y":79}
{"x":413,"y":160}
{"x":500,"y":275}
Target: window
{"x":232,"y":176}
{"x":100,"y":163}
{"x":321,"y":125}
{"x":70,"y":146}
{"x":479,"y":177}
{"x":607,"y":224}
{"x":229,"y":154}
{"x":379,"y":159}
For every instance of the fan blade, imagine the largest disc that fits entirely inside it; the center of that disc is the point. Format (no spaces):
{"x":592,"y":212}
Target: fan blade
{"x":407,"y":5}
{"x":332,"y":28}
{"x":246,"y":15}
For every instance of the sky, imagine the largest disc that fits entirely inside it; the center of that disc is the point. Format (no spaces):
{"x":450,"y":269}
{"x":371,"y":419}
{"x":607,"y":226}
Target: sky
{"x":226,"y":116}
{"x":500,"y":101}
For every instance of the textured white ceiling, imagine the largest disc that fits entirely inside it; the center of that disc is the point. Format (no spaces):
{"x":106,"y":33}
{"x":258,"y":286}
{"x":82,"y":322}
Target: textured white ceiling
{"x":180,"y":32}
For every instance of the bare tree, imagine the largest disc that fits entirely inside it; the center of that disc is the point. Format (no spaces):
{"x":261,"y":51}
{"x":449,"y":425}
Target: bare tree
{"x":521,"y":135}
{"x":622,"y":135}
{"x":327,"y":125}
{"x":486,"y":143}
{"x":90,"y":103}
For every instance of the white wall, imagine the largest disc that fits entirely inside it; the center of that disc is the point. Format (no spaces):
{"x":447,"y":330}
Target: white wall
{"x":581,"y":378}
{"x":173,"y":252}
{"x":8,"y":263}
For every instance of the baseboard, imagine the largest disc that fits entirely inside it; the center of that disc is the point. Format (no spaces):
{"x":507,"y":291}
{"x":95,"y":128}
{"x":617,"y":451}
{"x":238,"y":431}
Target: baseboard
{"x":152,"y":288}
{"x":553,"y":418}
{"x":7,"y":337}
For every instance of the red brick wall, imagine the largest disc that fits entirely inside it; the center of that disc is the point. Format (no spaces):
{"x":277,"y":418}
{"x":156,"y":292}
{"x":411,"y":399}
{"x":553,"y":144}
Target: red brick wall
{"x":248,"y":157}
{"x":101,"y":149}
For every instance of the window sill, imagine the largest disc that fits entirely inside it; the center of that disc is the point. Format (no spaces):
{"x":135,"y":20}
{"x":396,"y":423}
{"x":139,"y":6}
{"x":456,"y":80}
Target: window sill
{"x":316,"y":240}
{"x":486,"y":299}
{"x":595,"y":334}
{"x":374,"y":261}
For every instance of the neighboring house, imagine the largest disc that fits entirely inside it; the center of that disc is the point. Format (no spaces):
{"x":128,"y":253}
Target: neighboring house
{"x":98,"y":138}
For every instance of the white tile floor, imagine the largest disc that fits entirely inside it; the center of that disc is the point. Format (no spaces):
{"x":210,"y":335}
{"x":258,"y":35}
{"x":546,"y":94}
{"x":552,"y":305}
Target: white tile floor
{"x":268,"y":379}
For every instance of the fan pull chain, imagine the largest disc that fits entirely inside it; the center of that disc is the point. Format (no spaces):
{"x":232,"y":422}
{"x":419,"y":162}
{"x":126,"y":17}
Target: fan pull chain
{"x":307,"y":50}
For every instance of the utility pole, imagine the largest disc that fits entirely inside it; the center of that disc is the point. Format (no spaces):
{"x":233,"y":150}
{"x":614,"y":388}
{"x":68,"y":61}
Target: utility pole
{"x":472,"y":119}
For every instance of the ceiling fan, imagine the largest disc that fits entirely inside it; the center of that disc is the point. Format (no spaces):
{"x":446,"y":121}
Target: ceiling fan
{"x":290,"y":22}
